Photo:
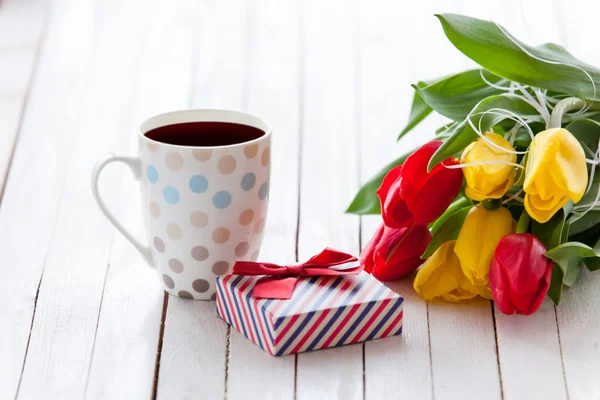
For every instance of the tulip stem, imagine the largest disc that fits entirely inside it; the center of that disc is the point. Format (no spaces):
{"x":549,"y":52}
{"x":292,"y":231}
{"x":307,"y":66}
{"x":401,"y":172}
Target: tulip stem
{"x":564,"y":106}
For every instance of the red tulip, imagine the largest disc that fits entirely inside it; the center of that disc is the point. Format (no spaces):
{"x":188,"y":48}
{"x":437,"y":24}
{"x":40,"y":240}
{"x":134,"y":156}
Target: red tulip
{"x":411,"y":195}
{"x":394,"y":253}
{"x":520,"y":274}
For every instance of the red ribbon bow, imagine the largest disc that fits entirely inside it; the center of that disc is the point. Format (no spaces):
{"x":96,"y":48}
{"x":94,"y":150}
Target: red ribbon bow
{"x":280,"y":281}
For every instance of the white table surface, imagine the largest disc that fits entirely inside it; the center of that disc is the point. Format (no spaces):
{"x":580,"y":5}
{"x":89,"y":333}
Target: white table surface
{"x":81,"y":316}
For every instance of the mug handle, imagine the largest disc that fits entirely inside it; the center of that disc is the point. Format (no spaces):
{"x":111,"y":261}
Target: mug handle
{"x":135,"y":165}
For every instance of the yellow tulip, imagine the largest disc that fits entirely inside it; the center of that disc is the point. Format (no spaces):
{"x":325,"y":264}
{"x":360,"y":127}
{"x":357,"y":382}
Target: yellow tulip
{"x":480,"y":234}
{"x":555,"y":172}
{"x":441,"y":276}
{"x":489,"y":181}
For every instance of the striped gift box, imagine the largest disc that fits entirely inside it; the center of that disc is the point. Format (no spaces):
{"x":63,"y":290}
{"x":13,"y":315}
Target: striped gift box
{"x":323,"y":312}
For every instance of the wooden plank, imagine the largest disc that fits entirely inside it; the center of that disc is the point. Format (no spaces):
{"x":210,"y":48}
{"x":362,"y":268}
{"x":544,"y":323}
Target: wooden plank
{"x":124,"y":362}
{"x":329,"y":177}
{"x":32,"y":197}
{"x":274,"y":83}
{"x":195,"y":350}
{"x":70,"y":294}
{"x":21,"y":26}
{"x":578,"y":313}
{"x":399,"y":364}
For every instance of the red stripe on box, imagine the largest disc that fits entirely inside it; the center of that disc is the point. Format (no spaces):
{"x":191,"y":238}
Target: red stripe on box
{"x":371,"y":320}
{"x":393,"y":324}
{"x":353,"y":310}
{"x":321,"y":318}
{"x":308,"y":297}
{"x":230,"y":304}
{"x":244,"y":308}
{"x":265,"y":337}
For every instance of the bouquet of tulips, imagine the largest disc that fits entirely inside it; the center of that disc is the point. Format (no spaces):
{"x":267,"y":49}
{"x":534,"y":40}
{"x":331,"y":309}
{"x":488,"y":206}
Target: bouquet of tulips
{"x":505,"y":203}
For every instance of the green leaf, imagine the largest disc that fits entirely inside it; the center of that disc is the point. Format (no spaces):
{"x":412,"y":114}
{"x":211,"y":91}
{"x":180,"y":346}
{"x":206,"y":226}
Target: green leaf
{"x":419,"y":110}
{"x":584,"y":222}
{"x":366,"y":200}
{"x":570,"y":257}
{"x":455,"y":96}
{"x":448,"y":231}
{"x":587,"y":131}
{"x":550,"y":232}
{"x":461,"y":201}
{"x":556,"y":285}
{"x":548,"y":66}
{"x":463,"y":134}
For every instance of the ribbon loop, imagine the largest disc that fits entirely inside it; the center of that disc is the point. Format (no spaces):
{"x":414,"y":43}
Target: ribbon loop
{"x":279,"y":281}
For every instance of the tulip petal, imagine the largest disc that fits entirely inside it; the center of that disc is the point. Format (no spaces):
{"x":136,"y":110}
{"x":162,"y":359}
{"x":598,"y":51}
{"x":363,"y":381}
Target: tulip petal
{"x":366,"y":256}
{"x":415,"y":170}
{"x":441,"y":276}
{"x":394,"y":211}
{"x":477,"y":240}
{"x":397,"y":252}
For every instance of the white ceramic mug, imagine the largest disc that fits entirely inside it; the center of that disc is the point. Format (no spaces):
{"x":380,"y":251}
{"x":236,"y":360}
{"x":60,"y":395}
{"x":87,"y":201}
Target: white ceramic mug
{"x":204,"y":207}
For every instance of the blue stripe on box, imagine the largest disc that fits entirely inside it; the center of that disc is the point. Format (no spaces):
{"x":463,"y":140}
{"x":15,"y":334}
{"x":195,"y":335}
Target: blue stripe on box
{"x":237,"y":306}
{"x":311,"y":314}
{"x":361,"y":316}
{"x":381,"y":323}
{"x":337,"y":314}
{"x":264,"y":315}
{"x":295,"y":299}
{"x":224,"y":303}
{"x":256,"y":328}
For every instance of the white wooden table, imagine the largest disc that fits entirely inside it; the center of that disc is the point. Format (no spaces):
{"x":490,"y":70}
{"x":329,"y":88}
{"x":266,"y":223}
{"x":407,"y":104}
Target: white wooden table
{"x":81,"y":316}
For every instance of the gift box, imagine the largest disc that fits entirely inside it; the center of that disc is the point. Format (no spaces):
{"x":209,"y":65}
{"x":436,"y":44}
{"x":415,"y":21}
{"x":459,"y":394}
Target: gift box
{"x":322,"y":312}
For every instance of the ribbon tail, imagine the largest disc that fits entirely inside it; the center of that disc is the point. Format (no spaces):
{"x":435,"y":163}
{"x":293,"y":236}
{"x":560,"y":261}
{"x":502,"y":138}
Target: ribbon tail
{"x":272,"y":287}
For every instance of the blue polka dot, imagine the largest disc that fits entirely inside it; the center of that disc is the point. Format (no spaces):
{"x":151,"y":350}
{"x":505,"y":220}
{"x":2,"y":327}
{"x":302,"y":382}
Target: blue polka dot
{"x":171,"y":195}
{"x":248,"y":181}
{"x":152,"y":173}
{"x":222,"y":199}
{"x":263,"y":191}
{"x":198,"y":184}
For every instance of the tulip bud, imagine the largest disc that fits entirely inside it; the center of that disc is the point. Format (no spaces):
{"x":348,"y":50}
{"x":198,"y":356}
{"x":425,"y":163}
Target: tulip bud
{"x":489,"y":180}
{"x":556,"y":171}
{"x":395,"y":253}
{"x":410,"y":195}
{"x":477,"y":240}
{"x":520,"y":274}
{"x":441,"y":276}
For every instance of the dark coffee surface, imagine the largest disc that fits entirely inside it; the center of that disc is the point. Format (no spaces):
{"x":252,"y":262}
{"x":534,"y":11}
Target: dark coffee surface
{"x":204,"y":134}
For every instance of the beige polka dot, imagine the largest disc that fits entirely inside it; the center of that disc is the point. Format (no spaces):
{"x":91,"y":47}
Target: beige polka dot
{"x":246,"y":217}
{"x":254,"y":255}
{"x":227,"y":165}
{"x":221,"y":235}
{"x":175,"y":161}
{"x":173,"y":230}
{"x":198,"y":219}
{"x":200,"y":253}
{"x":159,"y":244}
{"x":168,"y":281}
{"x":242,"y":249}
{"x":176,"y":265}
{"x":259,"y":226}
{"x":154,"y":209}
{"x":202,"y":154}
{"x":200,"y":285}
{"x":251,"y":150}
{"x":220,"y":268}
{"x":152,"y":146}
{"x":266,"y":156}
{"x":185,"y":295}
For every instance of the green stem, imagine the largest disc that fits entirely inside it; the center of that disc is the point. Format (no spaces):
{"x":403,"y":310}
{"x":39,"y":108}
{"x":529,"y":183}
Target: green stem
{"x":563,"y":107}
{"x":523,"y":224}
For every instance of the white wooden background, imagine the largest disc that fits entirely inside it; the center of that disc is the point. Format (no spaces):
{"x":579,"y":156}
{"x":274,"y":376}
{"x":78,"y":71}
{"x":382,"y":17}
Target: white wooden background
{"x":81,"y":316}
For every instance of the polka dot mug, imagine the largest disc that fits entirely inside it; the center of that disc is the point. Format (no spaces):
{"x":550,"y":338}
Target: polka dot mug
{"x":204,"y":207}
